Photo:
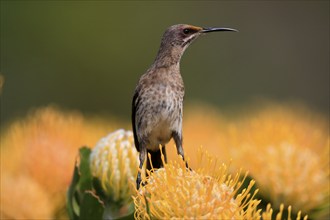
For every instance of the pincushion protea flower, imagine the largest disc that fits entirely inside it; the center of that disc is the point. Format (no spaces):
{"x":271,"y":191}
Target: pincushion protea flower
{"x":114,"y":161}
{"x":174,"y":192}
{"x":268,"y":214}
{"x":42,"y":147}
{"x":292,"y":147}
{"x":284,"y":147}
{"x":177,"y":192}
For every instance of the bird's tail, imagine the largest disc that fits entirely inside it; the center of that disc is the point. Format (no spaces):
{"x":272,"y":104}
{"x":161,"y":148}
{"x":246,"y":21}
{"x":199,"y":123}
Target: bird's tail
{"x":156,"y":160}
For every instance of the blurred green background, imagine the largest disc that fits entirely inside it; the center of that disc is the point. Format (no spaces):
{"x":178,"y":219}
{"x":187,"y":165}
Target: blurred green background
{"x":89,"y":55}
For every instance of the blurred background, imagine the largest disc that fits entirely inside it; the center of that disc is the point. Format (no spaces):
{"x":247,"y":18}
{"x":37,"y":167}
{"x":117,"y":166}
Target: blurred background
{"x":85,"y":58}
{"x":89,"y":55}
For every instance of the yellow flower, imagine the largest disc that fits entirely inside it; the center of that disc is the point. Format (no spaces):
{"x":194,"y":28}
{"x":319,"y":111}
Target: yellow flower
{"x":209,"y":192}
{"x":114,"y":161}
{"x":285,"y":148}
{"x":175,"y":192}
{"x":43,"y":148}
{"x":268,"y":214}
{"x":287,"y":152}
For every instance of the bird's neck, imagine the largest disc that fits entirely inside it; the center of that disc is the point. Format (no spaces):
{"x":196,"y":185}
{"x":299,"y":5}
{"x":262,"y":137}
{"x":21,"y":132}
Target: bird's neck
{"x":168,"y":57}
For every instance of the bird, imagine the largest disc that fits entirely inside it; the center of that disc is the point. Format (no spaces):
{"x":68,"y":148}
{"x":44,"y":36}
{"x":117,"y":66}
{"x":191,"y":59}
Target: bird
{"x":157,"y":104}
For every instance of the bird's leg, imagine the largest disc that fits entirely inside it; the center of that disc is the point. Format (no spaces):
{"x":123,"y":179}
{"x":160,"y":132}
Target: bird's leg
{"x":178,"y":142}
{"x":142,"y":157}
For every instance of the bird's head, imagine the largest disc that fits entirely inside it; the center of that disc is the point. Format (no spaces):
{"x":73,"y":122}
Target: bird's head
{"x":177,"y":38}
{"x":183,"y":34}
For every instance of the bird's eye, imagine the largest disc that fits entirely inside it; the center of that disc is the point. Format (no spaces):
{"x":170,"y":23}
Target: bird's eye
{"x":186,"y":31}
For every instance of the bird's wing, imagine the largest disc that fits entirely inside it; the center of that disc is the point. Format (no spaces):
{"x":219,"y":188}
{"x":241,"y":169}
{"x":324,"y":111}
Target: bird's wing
{"x":135,"y":104}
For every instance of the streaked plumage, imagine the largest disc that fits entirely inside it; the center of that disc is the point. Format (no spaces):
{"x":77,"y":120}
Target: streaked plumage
{"x":157,"y":105}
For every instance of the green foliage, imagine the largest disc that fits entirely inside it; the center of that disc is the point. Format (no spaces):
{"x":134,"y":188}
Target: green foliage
{"x":86,"y":199}
{"x":82,"y":203}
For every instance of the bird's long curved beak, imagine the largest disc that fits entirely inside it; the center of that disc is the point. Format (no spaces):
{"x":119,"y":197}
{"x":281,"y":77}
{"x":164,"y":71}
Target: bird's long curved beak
{"x":212,"y":29}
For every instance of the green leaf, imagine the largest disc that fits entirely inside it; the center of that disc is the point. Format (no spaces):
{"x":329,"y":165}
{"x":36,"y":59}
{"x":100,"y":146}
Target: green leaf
{"x":81,"y":204}
{"x":71,"y":201}
{"x":90,"y":208}
{"x":85,"y":181}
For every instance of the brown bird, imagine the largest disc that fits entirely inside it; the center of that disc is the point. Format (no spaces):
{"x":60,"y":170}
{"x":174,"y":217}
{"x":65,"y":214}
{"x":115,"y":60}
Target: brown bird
{"x":158,"y":98}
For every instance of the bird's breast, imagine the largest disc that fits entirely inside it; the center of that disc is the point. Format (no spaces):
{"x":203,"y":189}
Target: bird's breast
{"x":167,"y":104}
{"x":160,"y":113}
